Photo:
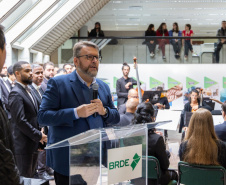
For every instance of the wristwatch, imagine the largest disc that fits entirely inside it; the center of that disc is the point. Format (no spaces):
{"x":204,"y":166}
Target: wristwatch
{"x":106,"y":111}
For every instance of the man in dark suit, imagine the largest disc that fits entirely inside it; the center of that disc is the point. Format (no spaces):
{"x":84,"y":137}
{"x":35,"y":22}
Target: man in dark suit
{"x":11,"y":77}
{"x":221,"y":129}
{"x":131,"y":94}
{"x":67,"y":106}
{"x":131,"y":106}
{"x":48,"y":73}
{"x":24,"y":108}
{"x":9,"y":173}
{"x":37,"y":79}
{"x":37,"y":72}
{"x":5,"y":90}
{"x":6,"y":87}
{"x":124,"y":84}
{"x":4,"y":93}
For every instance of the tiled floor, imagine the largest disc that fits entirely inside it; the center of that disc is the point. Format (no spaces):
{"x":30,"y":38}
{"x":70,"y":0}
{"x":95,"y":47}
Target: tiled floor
{"x":172,"y":145}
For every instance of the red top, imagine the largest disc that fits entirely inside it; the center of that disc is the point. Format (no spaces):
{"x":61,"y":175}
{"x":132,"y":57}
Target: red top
{"x":187,"y":34}
{"x":166,"y":33}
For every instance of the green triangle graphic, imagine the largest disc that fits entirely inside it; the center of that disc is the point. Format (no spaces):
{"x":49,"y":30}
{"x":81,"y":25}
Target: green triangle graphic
{"x":172,"y":83}
{"x":224,"y":82}
{"x":208,"y":82}
{"x":136,"y":80}
{"x":114,"y":81}
{"x":190,"y":82}
{"x":154,"y":83}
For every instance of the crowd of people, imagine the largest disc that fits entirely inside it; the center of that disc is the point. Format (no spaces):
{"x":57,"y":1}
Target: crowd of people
{"x":22,"y":139}
{"x":201,"y":130}
{"x":34,"y":111}
{"x":177,"y":44}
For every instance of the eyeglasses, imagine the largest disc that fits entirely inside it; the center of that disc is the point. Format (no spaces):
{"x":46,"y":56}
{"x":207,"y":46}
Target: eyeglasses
{"x":91,"y":57}
{"x":134,"y":96}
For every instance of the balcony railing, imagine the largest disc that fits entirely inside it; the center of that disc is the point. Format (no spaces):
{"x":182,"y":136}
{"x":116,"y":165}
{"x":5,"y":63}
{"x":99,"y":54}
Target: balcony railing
{"x":121,"y":49}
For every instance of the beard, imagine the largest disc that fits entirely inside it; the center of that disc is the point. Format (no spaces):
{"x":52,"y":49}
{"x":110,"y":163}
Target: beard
{"x":85,"y":70}
{"x":26,"y":80}
{"x":48,"y":77}
{"x":126,"y":74}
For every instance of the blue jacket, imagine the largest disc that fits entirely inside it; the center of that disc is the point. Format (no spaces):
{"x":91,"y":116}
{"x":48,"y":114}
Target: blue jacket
{"x":63,"y":94}
{"x":171,"y":35}
{"x":221,"y":131}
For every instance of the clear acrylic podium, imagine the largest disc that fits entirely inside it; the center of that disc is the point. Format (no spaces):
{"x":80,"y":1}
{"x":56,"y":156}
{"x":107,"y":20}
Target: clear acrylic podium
{"x":116,"y":155}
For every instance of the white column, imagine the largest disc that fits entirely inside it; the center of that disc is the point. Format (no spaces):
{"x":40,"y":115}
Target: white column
{"x":38,"y":57}
{"x":46,"y":58}
{"x":24,"y":55}
{"x":84,"y":31}
{"x":8,"y":60}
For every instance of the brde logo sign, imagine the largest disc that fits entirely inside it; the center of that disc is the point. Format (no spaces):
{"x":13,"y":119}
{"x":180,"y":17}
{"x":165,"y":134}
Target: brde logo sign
{"x":124,"y":163}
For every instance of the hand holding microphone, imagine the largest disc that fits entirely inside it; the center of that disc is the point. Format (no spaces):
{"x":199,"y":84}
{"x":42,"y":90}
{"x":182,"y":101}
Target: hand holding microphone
{"x":100,"y":108}
{"x":95,"y":107}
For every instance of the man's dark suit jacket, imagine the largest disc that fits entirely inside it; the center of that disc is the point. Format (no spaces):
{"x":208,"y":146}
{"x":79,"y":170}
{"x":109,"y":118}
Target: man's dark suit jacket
{"x":5,"y":94}
{"x":44,"y":84}
{"x":122,"y":92}
{"x":37,"y":95}
{"x":9,"y":173}
{"x":221,"y":131}
{"x":9,"y":84}
{"x":63,"y":94}
{"x":24,"y":121}
{"x":126,"y":119}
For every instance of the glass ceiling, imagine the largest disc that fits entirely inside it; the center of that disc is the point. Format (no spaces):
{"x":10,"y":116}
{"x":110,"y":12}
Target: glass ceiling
{"x":42,"y":20}
{"x":18,"y":13}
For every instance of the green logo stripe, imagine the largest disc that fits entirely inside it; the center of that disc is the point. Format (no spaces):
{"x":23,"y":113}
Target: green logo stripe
{"x":114,"y":81}
{"x":224,"y":82}
{"x":136,"y":159}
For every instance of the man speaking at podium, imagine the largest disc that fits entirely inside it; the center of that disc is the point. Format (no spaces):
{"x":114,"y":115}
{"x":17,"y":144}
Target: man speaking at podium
{"x":68,"y":106}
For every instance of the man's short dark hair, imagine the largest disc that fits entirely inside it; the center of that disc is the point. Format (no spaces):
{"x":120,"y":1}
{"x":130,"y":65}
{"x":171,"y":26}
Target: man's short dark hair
{"x":66,"y":65}
{"x":47,"y":63}
{"x":124,"y":65}
{"x":79,"y":45}
{"x":60,"y":70}
{"x":223,"y":21}
{"x":223,"y":106}
{"x":18,"y":66}
{"x":10,"y":70}
{"x":2,"y":38}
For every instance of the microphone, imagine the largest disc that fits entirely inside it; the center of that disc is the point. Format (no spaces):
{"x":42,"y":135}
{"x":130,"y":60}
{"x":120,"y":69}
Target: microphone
{"x":95,"y":95}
